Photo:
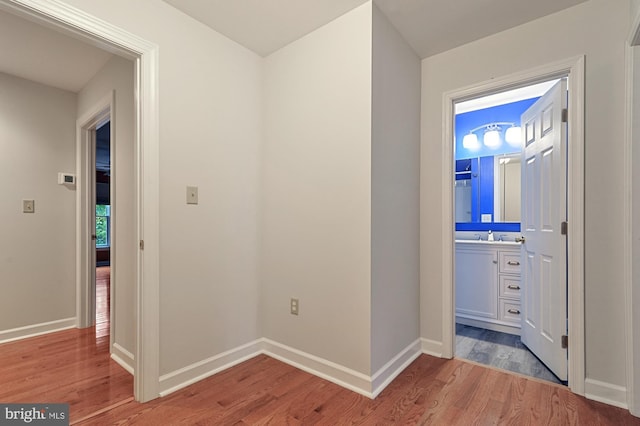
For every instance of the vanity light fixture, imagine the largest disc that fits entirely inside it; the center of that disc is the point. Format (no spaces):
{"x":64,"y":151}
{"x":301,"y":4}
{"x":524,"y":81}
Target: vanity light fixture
{"x":492,"y":137}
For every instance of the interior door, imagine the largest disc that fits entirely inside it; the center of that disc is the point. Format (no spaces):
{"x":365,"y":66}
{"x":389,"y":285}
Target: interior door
{"x":544,"y":208}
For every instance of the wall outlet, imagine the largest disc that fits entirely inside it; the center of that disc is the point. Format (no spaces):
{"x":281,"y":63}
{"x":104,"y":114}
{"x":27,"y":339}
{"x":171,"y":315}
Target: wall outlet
{"x":295,"y":305}
{"x":28,"y":206}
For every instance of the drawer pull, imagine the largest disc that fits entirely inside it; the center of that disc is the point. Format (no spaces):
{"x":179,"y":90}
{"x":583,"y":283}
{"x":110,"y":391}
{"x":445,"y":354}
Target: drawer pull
{"x":514,"y":311}
{"x":513,"y":287}
{"x":513,"y":263}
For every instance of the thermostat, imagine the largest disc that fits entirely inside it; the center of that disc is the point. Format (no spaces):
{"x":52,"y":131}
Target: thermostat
{"x":66,"y":179}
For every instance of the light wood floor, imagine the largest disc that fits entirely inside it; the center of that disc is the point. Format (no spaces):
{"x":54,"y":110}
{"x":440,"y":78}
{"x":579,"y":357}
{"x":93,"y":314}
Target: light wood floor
{"x":430,"y":391}
{"x":73,"y":366}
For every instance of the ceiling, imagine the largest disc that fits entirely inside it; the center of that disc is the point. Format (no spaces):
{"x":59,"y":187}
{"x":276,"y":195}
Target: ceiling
{"x":429,"y":26}
{"x":43,"y":55}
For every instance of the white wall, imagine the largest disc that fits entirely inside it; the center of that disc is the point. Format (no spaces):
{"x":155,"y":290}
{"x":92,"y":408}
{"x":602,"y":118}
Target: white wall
{"x":118,"y":75}
{"x":316,"y":193}
{"x":395,"y":193}
{"x":37,"y":250}
{"x":559,"y":36}
{"x":210,"y":135}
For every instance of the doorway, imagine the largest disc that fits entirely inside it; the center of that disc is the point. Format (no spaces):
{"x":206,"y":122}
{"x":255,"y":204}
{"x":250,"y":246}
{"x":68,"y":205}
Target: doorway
{"x":104,"y":35}
{"x":574,"y":69}
{"x":103,"y":229}
{"x":497,"y":314}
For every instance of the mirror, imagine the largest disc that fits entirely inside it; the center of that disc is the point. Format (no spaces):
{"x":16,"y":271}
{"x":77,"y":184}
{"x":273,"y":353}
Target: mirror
{"x":487,"y":190}
{"x":508,"y":187}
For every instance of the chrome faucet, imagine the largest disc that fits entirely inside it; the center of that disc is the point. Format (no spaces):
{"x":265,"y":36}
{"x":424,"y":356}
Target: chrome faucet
{"x":502,"y":237}
{"x":478,"y":236}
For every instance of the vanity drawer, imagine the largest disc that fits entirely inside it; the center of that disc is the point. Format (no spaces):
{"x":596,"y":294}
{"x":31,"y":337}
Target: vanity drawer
{"x":510,"y":311}
{"x":510,"y":287}
{"x":509,"y":262}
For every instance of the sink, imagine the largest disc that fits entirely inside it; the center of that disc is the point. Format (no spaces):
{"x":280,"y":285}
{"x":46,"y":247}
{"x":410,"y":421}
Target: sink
{"x":508,"y":243}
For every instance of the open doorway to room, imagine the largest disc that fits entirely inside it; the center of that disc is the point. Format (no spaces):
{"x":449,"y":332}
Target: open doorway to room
{"x":103,"y":226}
{"x":511,"y":263}
{"x":144,"y":304}
{"x":490,"y":186}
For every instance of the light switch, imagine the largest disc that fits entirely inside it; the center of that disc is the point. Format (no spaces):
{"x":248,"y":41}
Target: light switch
{"x":28,"y":206}
{"x":192,"y":195}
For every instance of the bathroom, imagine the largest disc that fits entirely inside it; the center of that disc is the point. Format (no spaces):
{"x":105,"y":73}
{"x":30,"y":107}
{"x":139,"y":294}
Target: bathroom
{"x":489,"y":242}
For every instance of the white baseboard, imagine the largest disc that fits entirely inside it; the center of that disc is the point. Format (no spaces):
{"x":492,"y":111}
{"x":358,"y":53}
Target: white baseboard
{"x":123,"y":357}
{"x":493,"y":325}
{"x":394,"y":367}
{"x":431,"y":347}
{"x":190,"y":374}
{"x":606,"y":392}
{"x":36,"y":329}
{"x":328,"y":370}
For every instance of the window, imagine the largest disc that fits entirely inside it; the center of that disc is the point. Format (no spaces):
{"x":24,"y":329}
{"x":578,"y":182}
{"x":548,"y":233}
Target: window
{"x":103,"y":225}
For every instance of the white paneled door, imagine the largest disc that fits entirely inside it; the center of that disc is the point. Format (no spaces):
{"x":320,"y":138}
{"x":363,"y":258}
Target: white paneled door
{"x":544,"y":209}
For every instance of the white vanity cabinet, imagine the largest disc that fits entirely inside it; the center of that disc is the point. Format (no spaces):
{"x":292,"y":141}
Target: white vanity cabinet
{"x":488,"y":285}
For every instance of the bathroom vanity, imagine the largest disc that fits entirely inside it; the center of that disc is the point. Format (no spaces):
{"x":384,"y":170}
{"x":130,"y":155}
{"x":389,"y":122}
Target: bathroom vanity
{"x":488,"y":284}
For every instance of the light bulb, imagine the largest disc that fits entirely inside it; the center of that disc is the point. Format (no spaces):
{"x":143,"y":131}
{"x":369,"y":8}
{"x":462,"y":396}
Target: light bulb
{"x":513,"y":136}
{"x":492,"y":139}
{"x":471,"y":142}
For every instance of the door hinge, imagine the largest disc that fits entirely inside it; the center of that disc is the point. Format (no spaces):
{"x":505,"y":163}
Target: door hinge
{"x":141,"y":244}
{"x":564,"y":342}
{"x":565,"y":115}
{"x":564,"y":228}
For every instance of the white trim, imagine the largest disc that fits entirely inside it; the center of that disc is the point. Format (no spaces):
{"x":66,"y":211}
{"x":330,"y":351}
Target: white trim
{"x":85,"y":251}
{"x":145,"y":54}
{"x":575,"y":68}
{"x":328,"y":370}
{"x":123,"y":357}
{"x":388,"y":372}
{"x":113,"y":226}
{"x":448,"y":228}
{"x":503,"y":327}
{"x":200,"y":370}
{"x":627,"y":211}
{"x":33,"y":330}
{"x":606,"y":392}
{"x":630,"y":192}
{"x":432,"y":347}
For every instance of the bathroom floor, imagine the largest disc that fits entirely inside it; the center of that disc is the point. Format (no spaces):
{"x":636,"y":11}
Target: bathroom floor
{"x":499,"y":350}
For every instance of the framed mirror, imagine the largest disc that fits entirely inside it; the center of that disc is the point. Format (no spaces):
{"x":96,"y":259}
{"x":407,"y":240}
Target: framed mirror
{"x":487,"y":193}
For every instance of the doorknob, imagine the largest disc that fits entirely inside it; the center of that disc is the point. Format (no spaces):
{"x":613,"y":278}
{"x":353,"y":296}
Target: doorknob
{"x":94,"y":237}
{"x":520,"y":240}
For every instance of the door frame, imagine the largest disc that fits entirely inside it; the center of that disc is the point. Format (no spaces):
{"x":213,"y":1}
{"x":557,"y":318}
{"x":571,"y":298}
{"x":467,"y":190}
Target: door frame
{"x":631,"y":209}
{"x":79,"y":24}
{"x":575,"y":69}
{"x":86,"y":126}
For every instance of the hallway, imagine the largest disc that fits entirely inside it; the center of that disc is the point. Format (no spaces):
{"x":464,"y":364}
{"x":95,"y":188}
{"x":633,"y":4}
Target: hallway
{"x":71,"y":366}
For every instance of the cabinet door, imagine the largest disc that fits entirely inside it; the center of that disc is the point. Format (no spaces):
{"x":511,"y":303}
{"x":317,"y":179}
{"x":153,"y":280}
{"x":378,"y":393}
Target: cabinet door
{"x":477,"y":283}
